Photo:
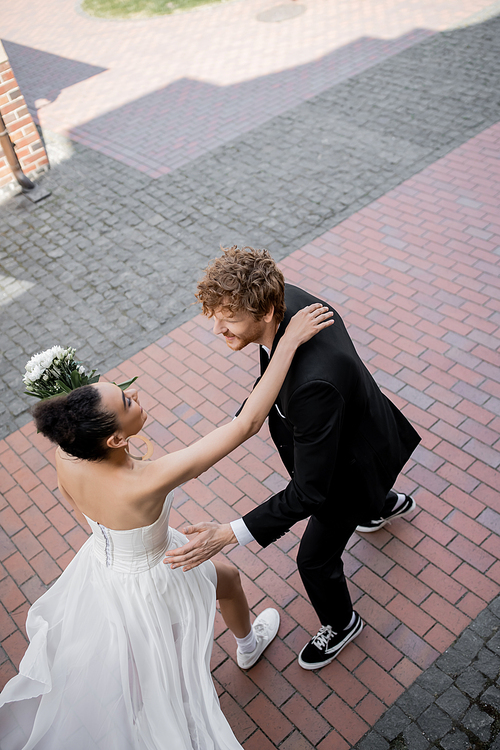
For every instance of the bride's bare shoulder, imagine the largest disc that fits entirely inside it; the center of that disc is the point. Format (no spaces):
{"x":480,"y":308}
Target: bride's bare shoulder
{"x":69,"y":467}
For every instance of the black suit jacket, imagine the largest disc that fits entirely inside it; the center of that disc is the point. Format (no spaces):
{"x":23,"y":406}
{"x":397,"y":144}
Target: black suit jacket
{"x":342,"y":441}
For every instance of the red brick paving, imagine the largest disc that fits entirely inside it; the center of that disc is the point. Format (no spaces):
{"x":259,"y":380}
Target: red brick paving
{"x":427,"y":324}
{"x":157,"y":93}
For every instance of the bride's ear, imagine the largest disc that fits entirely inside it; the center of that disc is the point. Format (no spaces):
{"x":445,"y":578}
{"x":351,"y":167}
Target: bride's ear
{"x":116,"y":441}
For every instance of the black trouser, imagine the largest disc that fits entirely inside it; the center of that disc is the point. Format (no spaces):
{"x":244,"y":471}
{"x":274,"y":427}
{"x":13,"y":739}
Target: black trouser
{"x":320,"y":566}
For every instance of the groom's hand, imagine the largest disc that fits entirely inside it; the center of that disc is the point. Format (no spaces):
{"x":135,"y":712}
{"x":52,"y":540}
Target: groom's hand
{"x":210,"y":538}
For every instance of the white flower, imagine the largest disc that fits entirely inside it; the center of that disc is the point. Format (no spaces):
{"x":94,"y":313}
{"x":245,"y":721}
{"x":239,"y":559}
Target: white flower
{"x":43,"y":360}
{"x":45,"y":369}
{"x":33,"y":362}
{"x":33,"y":374}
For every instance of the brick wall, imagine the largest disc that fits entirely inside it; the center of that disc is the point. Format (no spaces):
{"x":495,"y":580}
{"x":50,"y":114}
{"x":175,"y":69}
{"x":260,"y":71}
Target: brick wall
{"x":23,"y":133}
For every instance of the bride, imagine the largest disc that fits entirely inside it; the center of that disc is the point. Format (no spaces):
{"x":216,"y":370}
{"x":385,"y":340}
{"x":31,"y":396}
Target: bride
{"x":120,"y":646}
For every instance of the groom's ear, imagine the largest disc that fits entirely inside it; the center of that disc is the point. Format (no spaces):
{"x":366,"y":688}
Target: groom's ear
{"x":269,"y":315}
{"x":116,"y":441}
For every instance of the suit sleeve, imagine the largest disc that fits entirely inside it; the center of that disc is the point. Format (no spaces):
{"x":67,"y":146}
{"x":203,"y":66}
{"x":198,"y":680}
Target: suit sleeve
{"x":316,"y":412}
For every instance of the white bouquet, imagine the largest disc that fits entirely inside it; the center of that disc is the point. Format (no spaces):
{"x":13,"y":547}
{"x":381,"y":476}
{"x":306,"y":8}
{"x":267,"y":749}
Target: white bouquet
{"x":55,"y":371}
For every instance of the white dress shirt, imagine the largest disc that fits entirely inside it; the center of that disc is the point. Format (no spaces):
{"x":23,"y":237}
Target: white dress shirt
{"x":241,"y":531}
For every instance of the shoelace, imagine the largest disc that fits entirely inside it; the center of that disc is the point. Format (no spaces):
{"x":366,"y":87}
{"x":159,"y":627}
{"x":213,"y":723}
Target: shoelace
{"x":261,"y":628}
{"x":323,"y":636}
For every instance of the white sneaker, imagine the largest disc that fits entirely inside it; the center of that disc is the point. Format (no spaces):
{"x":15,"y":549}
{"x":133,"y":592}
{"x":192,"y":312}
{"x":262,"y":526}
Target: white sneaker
{"x":265,"y":628}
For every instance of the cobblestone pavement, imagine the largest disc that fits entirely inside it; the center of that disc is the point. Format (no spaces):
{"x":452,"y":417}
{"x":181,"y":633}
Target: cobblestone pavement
{"x":382,"y":194}
{"x":109,"y":261}
{"x":157,"y":94}
{"x":455,"y":704}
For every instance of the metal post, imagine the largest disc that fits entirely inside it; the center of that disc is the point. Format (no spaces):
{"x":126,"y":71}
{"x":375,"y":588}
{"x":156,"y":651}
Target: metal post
{"x":12,"y":159}
{"x":32,"y":191}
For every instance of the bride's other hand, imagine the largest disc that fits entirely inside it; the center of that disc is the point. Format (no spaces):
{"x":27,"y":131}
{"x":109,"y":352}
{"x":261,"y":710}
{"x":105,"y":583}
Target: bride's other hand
{"x":307,"y":322}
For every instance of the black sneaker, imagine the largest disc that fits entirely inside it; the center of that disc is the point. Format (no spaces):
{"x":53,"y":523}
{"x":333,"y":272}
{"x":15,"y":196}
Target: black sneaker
{"x":326,"y":644}
{"x":408,"y":505}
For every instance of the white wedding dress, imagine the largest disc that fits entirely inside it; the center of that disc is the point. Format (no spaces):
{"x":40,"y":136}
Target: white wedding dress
{"x":119,"y":654}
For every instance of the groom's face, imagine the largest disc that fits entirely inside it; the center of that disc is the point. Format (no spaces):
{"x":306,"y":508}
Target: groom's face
{"x":239,"y":328}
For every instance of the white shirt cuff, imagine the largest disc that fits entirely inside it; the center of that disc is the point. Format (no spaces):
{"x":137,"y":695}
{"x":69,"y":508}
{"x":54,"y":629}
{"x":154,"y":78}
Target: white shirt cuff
{"x":241,"y":531}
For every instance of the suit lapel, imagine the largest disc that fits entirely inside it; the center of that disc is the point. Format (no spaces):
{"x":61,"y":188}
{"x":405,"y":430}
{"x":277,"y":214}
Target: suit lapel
{"x":264,"y":361}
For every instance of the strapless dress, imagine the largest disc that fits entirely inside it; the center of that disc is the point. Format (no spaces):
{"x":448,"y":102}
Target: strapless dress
{"x":119,"y":653}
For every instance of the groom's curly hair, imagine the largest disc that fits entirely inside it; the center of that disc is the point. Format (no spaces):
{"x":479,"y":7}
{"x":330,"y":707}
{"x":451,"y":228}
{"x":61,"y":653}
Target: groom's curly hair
{"x":243,"y":279}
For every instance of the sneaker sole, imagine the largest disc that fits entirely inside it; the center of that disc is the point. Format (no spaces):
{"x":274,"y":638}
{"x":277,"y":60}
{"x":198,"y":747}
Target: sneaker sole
{"x":320,"y":664}
{"x":369,"y":530}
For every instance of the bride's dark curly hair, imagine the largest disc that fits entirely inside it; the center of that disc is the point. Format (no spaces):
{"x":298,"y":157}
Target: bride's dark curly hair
{"x":77,"y":422}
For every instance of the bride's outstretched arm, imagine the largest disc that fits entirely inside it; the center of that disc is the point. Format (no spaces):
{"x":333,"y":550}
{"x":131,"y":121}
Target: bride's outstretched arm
{"x":211,"y":538}
{"x":175,"y":468}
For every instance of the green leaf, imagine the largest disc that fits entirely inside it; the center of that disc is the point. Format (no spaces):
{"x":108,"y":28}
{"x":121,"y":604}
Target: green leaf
{"x":63,"y":386}
{"x":127,"y":384}
{"x":76,"y":380}
{"x":93,"y":379}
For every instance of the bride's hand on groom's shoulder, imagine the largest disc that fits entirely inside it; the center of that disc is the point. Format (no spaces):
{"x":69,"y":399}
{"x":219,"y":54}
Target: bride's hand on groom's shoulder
{"x":209,"y":538}
{"x":307,"y":322}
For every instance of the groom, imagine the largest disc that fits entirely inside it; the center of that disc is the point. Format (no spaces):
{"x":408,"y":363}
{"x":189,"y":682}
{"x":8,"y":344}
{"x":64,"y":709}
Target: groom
{"x":342,"y":441}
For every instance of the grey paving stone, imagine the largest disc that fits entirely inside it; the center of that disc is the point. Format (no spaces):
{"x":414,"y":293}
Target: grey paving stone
{"x":415,"y":701}
{"x":495,"y":607}
{"x":415,"y":738}
{"x":494,"y":643}
{"x":373,"y":741}
{"x":487,"y":662}
{"x":491,"y":698}
{"x":471,"y":682}
{"x":434,"y":723}
{"x":479,"y":723}
{"x":469,"y":643}
{"x":453,"y":662}
{"x":392,"y":723}
{"x":456,"y":740}
{"x":453,"y":702}
{"x":486,"y":623}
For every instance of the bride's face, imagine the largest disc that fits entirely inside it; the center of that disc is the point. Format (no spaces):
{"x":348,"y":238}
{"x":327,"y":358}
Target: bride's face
{"x":125,"y":405}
